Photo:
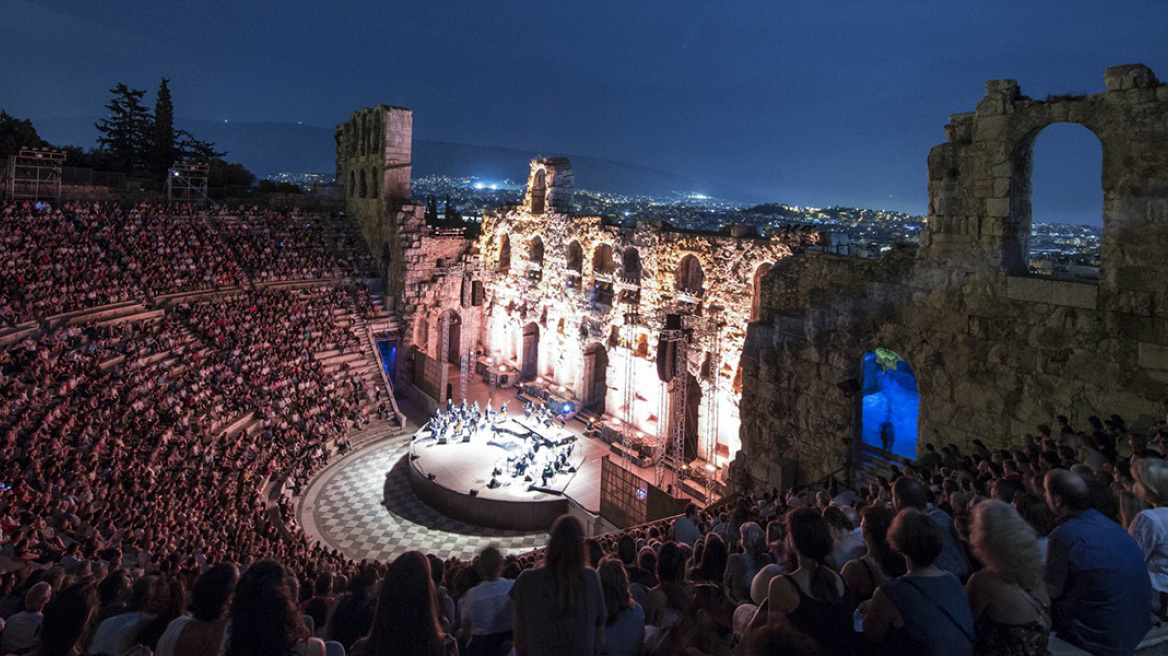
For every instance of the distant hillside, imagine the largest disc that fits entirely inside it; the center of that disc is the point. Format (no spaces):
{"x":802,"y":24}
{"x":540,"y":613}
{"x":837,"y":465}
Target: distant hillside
{"x":269,"y":148}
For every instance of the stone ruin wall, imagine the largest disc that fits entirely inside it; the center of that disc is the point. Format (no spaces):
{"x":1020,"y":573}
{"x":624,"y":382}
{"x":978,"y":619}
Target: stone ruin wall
{"x":559,"y":302}
{"x":996,"y":352}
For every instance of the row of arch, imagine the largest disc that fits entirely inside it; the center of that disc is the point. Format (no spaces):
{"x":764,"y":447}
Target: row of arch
{"x":363,"y":134}
{"x":689,"y":275}
{"x":364,"y":185}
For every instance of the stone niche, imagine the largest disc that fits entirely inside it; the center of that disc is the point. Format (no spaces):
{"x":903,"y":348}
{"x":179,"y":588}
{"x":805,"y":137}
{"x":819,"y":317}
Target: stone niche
{"x":995,"y":352}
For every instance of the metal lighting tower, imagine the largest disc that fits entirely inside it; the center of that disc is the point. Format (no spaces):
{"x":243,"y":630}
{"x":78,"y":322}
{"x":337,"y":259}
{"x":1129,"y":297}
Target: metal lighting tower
{"x":186,"y":182}
{"x":33,"y":174}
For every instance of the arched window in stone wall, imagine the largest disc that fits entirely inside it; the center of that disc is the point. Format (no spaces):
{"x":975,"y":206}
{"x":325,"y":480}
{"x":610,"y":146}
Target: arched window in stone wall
{"x":504,"y":265}
{"x":890,"y":403}
{"x":631,"y":264}
{"x":364,"y":193}
{"x":602,"y":261}
{"x":689,"y":275}
{"x":575,"y":257}
{"x":1057,"y":202}
{"x":538,"y":191}
{"x":535,"y":251}
{"x":373,"y":187}
{"x":352,"y":183}
{"x":756,"y":289}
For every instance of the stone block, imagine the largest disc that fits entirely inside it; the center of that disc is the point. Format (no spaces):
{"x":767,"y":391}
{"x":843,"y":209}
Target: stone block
{"x":1129,"y":76}
{"x":1054,"y":292}
{"x":1153,"y":356}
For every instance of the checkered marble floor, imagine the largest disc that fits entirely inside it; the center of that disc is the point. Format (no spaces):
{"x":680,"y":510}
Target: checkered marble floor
{"x":363,"y":506}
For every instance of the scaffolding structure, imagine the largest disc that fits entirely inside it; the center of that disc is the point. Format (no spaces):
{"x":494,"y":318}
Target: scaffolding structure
{"x":632,"y":319}
{"x":671,"y":448}
{"x":186,"y":183}
{"x":33,"y":174}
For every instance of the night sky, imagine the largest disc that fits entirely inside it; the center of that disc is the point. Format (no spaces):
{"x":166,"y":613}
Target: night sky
{"x":811,"y":103}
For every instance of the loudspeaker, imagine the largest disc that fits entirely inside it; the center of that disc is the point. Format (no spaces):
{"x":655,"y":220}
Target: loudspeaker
{"x":476,"y":293}
{"x":666,"y":360}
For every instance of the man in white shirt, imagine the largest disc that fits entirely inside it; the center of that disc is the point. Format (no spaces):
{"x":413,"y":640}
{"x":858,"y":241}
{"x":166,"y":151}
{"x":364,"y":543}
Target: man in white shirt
{"x":23,"y":628}
{"x":486,"y":608}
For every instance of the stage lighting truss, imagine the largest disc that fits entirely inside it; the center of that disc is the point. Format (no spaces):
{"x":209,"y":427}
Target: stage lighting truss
{"x":186,"y":182}
{"x":33,"y":174}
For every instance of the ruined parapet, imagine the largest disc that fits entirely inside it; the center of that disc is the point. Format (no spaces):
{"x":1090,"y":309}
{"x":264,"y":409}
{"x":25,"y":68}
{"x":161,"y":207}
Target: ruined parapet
{"x":995,"y":352}
{"x":979,"y":179}
{"x":550,"y":187}
{"x":374,"y":153}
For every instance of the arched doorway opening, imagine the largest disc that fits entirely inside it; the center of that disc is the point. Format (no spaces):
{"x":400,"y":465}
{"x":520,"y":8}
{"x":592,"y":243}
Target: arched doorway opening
{"x":538,"y":191}
{"x":504,"y":261}
{"x":890,"y":403}
{"x":756,"y":289}
{"x":530,"y":366}
{"x":594,"y":388}
{"x":364,"y":185}
{"x":574,"y":261}
{"x":1058,"y":202}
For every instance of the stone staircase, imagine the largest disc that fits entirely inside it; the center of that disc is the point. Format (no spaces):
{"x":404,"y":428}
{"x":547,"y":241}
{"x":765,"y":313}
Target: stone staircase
{"x":872,"y":463}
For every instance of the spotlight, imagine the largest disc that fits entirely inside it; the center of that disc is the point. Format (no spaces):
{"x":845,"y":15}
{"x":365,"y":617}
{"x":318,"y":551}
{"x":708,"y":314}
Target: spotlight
{"x":474,"y":493}
{"x":414,"y":456}
{"x":431,"y":476}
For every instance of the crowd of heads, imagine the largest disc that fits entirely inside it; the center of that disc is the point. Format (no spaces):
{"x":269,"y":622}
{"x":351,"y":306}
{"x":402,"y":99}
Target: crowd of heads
{"x":80,"y":255}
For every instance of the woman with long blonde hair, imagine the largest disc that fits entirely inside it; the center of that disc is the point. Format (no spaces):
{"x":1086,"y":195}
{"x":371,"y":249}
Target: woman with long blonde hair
{"x":1011,"y":609}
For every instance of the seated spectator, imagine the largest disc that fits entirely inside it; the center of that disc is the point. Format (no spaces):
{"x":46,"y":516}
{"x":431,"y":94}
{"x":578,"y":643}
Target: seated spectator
{"x":321,"y":603}
{"x":640,"y":579}
{"x":624,"y":626}
{"x":1011,"y":610}
{"x":559,"y":608}
{"x":264,"y":620}
{"x":1095,"y":573}
{"x":711,"y":567}
{"x":445,"y":603}
{"x":68,"y":621}
{"x":201,"y":632}
{"x":486,"y":609}
{"x":880,"y":563}
{"x":671,"y":598}
{"x":910,"y":493}
{"x":1150,"y":527}
{"x":925,"y":612}
{"x":353,"y":614}
{"x":814,"y":597}
{"x":22,"y":629}
{"x":114,"y":594}
{"x":149,"y":597}
{"x":848,"y":544}
{"x":741,"y":568}
{"x":406,"y":619}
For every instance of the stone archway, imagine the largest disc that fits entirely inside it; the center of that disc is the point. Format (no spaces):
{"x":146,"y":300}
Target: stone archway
{"x":538,"y":192}
{"x":594,"y":382}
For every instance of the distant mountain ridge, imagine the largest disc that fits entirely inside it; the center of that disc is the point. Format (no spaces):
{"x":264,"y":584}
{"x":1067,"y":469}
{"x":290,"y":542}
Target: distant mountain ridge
{"x":270,"y":148}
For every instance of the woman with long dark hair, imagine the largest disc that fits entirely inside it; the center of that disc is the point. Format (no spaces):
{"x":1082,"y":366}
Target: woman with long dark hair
{"x":559,"y":608}
{"x":406,"y":620}
{"x":264,"y":620}
{"x":814,"y":597}
{"x":67,"y":620}
{"x":864,"y":574}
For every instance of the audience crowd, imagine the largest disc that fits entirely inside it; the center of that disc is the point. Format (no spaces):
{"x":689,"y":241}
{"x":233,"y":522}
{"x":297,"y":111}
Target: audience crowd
{"x":135,"y":460}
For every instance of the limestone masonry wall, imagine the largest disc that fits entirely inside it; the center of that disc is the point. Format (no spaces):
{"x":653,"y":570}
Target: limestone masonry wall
{"x":995,"y":352}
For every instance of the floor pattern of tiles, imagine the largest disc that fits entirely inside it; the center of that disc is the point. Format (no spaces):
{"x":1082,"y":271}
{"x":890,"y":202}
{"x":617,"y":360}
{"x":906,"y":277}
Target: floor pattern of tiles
{"x":363,"y":506}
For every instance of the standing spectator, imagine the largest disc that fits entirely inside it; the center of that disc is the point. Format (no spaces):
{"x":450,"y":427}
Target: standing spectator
{"x":910,"y":493}
{"x":624,"y":629}
{"x":559,"y":608}
{"x":671,"y":598}
{"x":22,"y":629}
{"x":1095,"y":573}
{"x":1150,"y":527}
{"x":486,"y":608}
{"x":814,"y":597}
{"x":1011,"y":610}
{"x":685,"y":528}
{"x":201,"y":632}
{"x":880,"y":563}
{"x":68,"y":618}
{"x":264,"y":620}
{"x":925,"y":612}
{"x":406,"y":620}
